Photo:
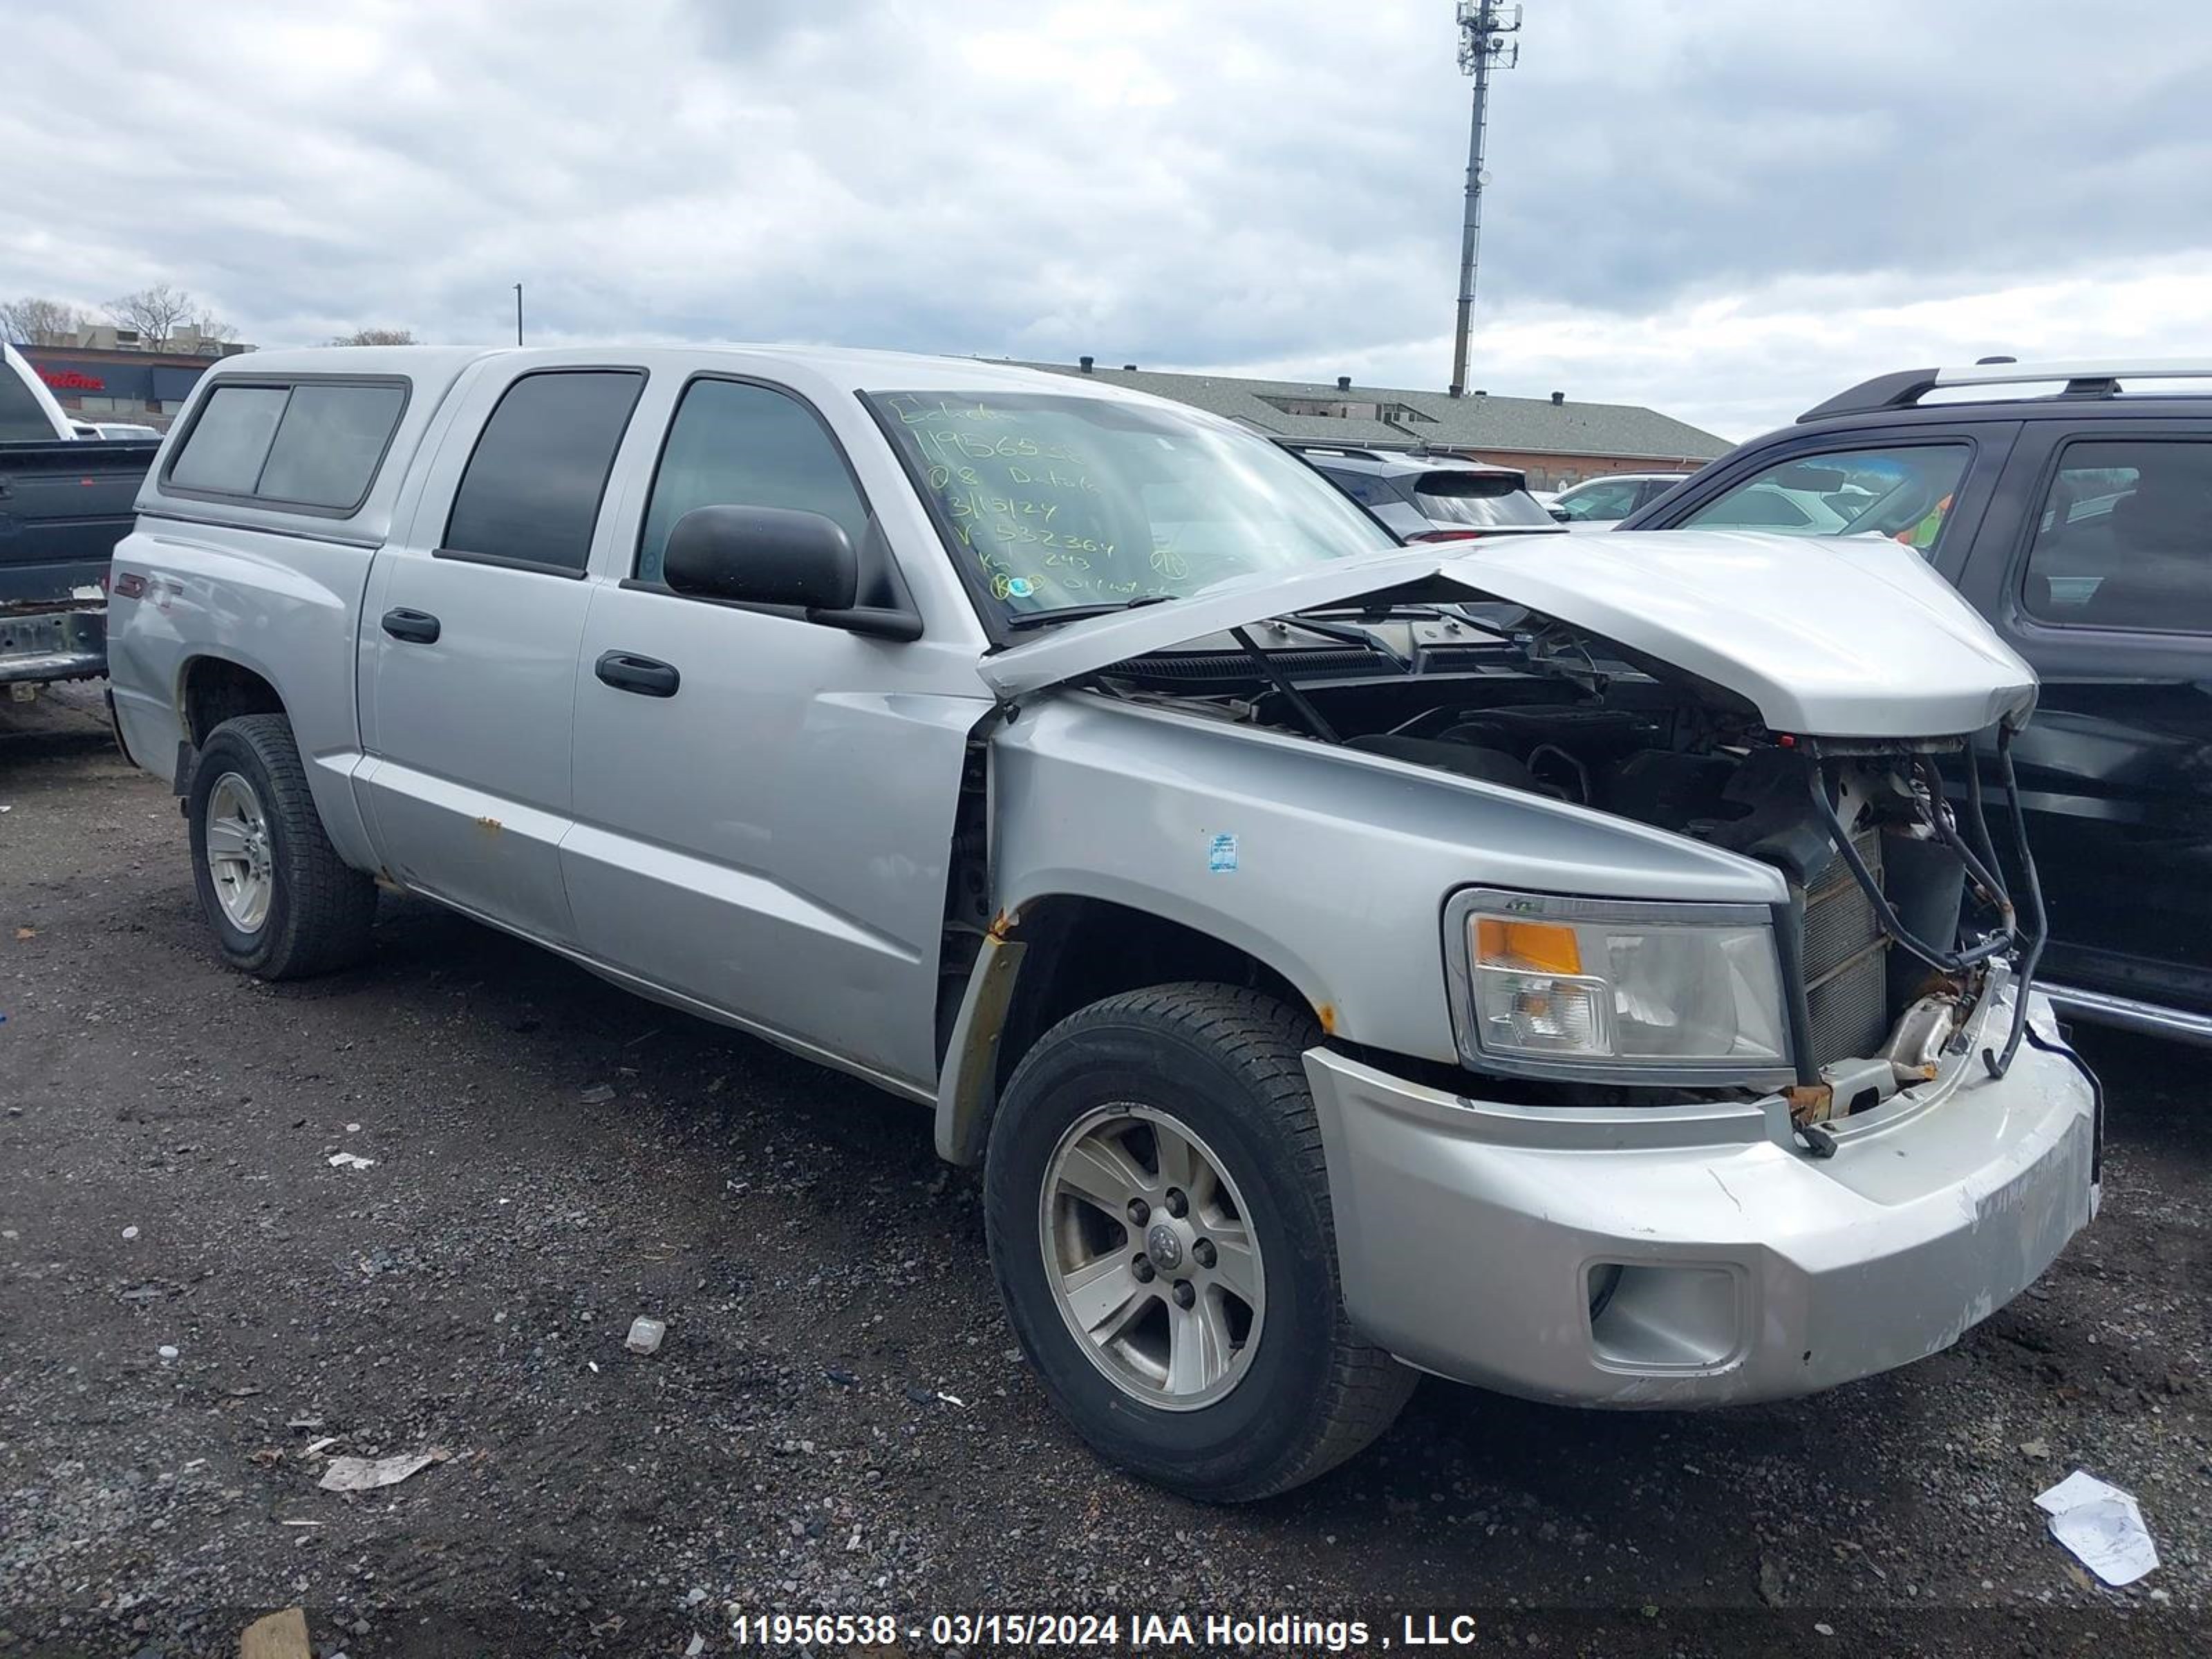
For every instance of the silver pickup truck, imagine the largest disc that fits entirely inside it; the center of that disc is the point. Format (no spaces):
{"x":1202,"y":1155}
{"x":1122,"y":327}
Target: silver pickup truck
{"x":1552,"y":966}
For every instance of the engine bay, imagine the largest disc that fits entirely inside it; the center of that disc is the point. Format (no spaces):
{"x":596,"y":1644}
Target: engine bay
{"x":1898,"y":907}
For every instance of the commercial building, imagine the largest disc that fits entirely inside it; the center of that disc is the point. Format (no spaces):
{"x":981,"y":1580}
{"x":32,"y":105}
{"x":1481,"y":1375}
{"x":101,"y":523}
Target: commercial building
{"x":1557,"y":440}
{"x":106,"y":374}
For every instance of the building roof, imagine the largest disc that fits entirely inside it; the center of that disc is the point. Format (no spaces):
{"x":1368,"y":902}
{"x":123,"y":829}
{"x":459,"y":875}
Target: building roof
{"x":1521,"y":425}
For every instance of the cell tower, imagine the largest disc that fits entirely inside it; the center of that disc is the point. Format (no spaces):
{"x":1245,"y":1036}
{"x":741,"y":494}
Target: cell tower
{"x":1484,"y":26}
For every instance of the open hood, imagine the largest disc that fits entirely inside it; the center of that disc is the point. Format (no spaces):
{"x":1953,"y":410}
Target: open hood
{"x":1842,"y":637}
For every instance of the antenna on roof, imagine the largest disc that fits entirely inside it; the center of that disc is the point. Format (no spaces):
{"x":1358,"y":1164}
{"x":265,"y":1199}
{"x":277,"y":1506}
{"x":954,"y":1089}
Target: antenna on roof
{"x":1483,"y":27}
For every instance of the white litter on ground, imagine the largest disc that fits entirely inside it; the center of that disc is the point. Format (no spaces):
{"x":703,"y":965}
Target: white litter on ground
{"x":2102,"y":1525}
{"x":352,"y":1161}
{"x":644,"y":1335}
{"x":365,"y":1473}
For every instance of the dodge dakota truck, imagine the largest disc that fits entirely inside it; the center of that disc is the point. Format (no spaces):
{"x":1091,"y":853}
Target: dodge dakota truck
{"x":1553,"y":965}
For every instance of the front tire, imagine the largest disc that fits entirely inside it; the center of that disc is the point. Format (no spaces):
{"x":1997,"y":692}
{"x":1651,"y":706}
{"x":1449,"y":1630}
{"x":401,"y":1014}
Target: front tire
{"x":282,"y":902}
{"x":1158,"y":1217}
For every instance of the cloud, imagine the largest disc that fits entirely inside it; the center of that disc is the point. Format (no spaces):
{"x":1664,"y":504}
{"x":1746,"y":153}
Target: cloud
{"x":1725,"y":208}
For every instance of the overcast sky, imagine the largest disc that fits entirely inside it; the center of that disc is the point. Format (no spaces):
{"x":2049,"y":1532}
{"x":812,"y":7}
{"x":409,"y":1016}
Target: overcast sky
{"x":1726,"y":209}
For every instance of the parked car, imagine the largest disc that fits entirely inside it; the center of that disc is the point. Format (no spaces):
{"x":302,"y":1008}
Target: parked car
{"x":64,"y":503}
{"x":1601,"y":503}
{"x":119,"y":431}
{"x":2071,"y":503}
{"x":1329,"y":985}
{"x":1430,"y":498}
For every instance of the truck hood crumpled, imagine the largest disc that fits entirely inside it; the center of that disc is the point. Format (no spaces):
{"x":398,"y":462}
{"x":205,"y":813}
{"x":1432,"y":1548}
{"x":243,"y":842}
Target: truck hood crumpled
{"x":1826,"y":636}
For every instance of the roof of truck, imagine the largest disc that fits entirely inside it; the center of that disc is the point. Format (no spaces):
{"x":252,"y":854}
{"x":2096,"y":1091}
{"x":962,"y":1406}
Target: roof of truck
{"x":852,"y":368}
{"x":822,"y":374}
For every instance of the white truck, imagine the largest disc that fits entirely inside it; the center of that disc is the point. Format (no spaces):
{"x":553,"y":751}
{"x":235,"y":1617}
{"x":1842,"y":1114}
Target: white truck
{"x":1552,"y":966}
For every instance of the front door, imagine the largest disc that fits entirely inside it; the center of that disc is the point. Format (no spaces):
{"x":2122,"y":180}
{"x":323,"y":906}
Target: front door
{"x":469,"y":647}
{"x":764,"y":805}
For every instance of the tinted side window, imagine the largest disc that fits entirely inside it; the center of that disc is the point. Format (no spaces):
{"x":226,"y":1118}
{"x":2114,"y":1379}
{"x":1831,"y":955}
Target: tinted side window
{"x":2125,"y":538}
{"x":229,"y":438}
{"x":531,"y":491}
{"x":1905,"y":493}
{"x":733,"y":445}
{"x":1763,"y":506}
{"x":328,"y":442}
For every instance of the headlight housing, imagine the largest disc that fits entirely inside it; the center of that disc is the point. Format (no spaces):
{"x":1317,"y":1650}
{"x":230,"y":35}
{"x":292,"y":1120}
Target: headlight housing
{"x":1548,"y":986}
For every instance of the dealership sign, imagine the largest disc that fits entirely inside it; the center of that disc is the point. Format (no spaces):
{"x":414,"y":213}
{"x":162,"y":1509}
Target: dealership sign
{"x":70,"y":379}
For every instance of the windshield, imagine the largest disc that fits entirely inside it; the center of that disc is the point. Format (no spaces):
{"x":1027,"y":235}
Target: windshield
{"x":1494,"y":500}
{"x":1052,"y":501}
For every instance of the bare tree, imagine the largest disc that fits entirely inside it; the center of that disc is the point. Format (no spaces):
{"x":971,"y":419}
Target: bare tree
{"x":376,"y":336}
{"x":34,"y":321}
{"x":154,"y":312}
{"x":213,"y":329}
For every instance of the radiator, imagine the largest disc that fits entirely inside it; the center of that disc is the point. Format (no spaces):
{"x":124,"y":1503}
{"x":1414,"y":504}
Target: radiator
{"x":1845,"y":961}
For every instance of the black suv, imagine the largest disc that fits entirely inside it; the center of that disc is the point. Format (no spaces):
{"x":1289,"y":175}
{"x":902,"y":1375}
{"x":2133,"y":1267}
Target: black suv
{"x":2071,"y":504}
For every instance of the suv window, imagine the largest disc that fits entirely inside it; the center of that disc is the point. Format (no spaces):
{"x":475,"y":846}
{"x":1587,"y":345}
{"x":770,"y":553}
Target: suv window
{"x":1905,"y":493}
{"x":1491,"y":499}
{"x":2125,"y":538}
{"x":736,"y":445}
{"x":530,"y":495}
{"x":1601,"y":501}
{"x":315,"y":445}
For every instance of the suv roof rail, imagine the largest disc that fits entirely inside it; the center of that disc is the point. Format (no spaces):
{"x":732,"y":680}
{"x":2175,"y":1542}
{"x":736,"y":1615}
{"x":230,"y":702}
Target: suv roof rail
{"x":2082,"y":378}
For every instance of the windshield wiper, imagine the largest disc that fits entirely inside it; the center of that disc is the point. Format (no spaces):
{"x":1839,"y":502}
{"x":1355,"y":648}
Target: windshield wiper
{"x":1078,"y":612}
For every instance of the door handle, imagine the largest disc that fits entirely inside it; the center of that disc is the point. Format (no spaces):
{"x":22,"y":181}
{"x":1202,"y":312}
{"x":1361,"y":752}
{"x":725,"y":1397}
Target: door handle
{"x":417,"y":626}
{"x":627,"y":672}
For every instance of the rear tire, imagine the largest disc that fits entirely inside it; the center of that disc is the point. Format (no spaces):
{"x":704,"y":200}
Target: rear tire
{"x":282,"y":902}
{"x":1208,"y":1080}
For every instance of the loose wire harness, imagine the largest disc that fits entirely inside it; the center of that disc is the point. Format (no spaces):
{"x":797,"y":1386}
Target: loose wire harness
{"x":1978,"y":856}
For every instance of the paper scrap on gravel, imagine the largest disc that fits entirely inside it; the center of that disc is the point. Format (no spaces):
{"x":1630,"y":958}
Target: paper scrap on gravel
{"x":366,"y":1474}
{"x":2102,"y":1525}
{"x":352,"y":1161}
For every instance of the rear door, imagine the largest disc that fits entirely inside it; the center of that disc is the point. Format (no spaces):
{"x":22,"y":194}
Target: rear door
{"x":469,"y":642}
{"x":2097,"y":566}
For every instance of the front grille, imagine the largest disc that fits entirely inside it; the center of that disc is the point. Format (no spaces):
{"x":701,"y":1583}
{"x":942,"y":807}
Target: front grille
{"x":1846,"y":960}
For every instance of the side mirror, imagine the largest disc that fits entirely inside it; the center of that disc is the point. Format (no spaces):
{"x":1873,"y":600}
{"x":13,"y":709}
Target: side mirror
{"x":1560,"y":514}
{"x":762,"y":555}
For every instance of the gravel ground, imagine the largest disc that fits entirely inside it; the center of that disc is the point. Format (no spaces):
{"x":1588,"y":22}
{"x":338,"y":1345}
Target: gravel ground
{"x":193,"y":1301}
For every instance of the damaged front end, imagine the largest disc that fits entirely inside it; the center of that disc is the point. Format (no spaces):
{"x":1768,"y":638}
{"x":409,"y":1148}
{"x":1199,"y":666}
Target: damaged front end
{"x":1813,"y":708}
{"x":1735,"y":977}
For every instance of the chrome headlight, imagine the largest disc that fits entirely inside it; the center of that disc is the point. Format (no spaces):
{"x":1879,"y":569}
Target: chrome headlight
{"x":1555,"y":987}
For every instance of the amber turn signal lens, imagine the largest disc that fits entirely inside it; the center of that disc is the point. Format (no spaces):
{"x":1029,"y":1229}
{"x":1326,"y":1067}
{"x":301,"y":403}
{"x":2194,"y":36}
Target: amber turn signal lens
{"x":1539,"y":945}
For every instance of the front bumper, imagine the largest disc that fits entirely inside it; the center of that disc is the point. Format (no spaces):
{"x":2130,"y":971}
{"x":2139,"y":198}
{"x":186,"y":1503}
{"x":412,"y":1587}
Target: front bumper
{"x":1474,"y":1235}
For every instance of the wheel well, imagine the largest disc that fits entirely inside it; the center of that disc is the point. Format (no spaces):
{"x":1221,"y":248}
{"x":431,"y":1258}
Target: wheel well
{"x":1082,"y":950}
{"x":217,"y":689}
